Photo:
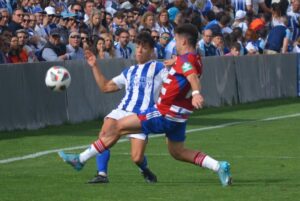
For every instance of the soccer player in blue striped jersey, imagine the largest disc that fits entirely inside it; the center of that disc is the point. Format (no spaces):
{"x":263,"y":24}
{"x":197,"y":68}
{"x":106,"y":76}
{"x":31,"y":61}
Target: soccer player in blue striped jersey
{"x":142,"y":84}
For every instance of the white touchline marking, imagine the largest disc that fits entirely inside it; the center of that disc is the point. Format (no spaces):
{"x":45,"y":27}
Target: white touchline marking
{"x":42,"y":153}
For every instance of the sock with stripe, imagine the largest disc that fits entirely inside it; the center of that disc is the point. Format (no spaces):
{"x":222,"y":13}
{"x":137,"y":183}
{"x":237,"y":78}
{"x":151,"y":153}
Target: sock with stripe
{"x":143,"y":165}
{"x":206,"y":161}
{"x":93,"y":150}
{"x":102,"y":162}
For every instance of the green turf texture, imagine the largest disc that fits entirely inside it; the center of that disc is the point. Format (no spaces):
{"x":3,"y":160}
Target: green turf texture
{"x":264,"y":156}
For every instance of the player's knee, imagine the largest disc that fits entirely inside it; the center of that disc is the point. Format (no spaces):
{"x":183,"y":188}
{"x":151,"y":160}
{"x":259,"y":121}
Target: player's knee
{"x":137,"y":158}
{"x":175,"y":154}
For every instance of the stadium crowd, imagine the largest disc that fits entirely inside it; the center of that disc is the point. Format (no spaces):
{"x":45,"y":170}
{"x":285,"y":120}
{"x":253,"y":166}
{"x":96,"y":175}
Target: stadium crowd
{"x":56,"y":30}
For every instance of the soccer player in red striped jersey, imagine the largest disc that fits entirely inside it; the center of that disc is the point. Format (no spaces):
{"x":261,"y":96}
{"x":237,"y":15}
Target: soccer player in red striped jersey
{"x":180,"y":95}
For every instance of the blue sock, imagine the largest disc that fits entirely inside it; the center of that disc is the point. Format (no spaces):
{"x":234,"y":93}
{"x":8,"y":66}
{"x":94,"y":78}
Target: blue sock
{"x":102,"y":161}
{"x":143,"y":165}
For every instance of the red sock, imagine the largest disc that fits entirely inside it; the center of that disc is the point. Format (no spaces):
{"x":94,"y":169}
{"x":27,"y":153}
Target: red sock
{"x":198,"y":159}
{"x":99,"y":146}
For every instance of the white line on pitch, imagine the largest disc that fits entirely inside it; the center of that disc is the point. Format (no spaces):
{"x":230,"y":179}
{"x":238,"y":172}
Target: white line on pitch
{"x":42,"y":153}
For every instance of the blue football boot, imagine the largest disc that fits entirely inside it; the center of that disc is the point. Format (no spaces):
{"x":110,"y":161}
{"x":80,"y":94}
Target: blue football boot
{"x":224,"y":173}
{"x":72,"y":159}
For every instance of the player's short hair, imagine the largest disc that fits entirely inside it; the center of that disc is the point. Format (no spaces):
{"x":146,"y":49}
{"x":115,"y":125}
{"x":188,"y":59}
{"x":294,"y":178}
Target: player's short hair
{"x":189,"y":31}
{"x":145,"y":38}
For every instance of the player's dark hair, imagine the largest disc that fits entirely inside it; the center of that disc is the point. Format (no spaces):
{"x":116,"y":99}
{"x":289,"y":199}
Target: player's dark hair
{"x":144,"y":38}
{"x":189,"y":31}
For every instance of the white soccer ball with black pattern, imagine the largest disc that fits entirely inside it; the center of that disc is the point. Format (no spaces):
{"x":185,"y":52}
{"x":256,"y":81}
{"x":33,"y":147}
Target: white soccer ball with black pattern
{"x":58,"y":78}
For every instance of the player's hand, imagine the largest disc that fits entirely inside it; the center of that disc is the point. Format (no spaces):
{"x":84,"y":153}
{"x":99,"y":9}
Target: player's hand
{"x":90,"y":58}
{"x":198,"y":101}
{"x":170,"y":62}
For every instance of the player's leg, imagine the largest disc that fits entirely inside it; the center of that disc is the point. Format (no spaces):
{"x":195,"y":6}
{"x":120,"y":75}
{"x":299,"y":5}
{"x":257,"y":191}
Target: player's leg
{"x":103,"y":158}
{"x":177,"y":149}
{"x":179,"y":152}
{"x":138,"y":146}
{"x":124,"y":126}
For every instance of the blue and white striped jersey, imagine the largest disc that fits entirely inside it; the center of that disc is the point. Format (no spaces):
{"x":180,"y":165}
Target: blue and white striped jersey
{"x":142,"y":85}
{"x":294,"y":25}
{"x":125,"y":53}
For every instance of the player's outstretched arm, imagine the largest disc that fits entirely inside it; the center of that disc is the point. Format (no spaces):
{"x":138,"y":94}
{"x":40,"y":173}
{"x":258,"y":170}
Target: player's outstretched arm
{"x":105,"y":85}
{"x":197,"y":100}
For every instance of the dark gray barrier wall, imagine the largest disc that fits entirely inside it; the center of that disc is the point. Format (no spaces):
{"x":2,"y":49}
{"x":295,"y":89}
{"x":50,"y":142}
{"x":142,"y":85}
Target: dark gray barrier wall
{"x":27,"y":103}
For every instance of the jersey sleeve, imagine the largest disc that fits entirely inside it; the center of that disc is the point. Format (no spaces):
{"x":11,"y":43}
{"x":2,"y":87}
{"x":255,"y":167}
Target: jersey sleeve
{"x":120,"y":80}
{"x":188,"y":68}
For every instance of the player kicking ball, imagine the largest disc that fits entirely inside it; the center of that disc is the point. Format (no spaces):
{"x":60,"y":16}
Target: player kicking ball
{"x":179,"y":96}
{"x":142,"y":84}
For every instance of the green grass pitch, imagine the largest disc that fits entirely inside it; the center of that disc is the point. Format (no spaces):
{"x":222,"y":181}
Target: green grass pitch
{"x":263,"y":153}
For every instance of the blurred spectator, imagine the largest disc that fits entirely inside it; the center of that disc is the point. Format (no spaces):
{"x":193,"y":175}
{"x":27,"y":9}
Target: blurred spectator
{"x":132,"y":35}
{"x":296,"y":48}
{"x":25,"y":21}
{"x":16,"y":54}
{"x":163,"y":24}
{"x":153,"y":6}
{"x":251,"y":42}
{"x":4,"y":49}
{"x":122,"y":50}
{"x":6,"y":5}
{"x":260,"y":22}
{"x":108,"y":21}
{"x":218,"y":42}
{"x":17,"y":18}
{"x":94,"y":24}
{"x":89,"y":5}
{"x":39,"y":27}
{"x":118,"y":21}
{"x":173,"y":13}
{"x":73,"y":48}
{"x":278,"y":39}
{"x":147,"y":21}
{"x":294,"y":16}
{"x":54,"y":50}
{"x":276,"y":14}
{"x":170,"y":49}
{"x":234,"y":49}
{"x":85,"y":41}
{"x":262,"y":38}
{"x":109,"y":47}
{"x":161,"y":45}
{"x":240,"y":21}
{"x":49,"y":20}
{"x":238,"y":5}
{"x":254,"y":5}
{"x":205,"y":45}
{"x":23,"y":36}
{"x":4,"y":17}
{"x":99,"y":49}
{"x":136,"y":16}
{"x":130,"y":20}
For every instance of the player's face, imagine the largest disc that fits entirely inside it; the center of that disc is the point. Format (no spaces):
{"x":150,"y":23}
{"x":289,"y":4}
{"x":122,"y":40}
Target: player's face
{"x":143,"y":53}
{"x":179,"y":43}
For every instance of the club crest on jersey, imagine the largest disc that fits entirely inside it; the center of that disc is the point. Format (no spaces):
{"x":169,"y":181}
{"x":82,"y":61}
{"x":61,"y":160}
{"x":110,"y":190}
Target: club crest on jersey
{"x":186,"y":67}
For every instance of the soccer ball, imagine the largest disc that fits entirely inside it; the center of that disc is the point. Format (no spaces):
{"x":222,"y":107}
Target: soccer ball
{"x":58,"y":78}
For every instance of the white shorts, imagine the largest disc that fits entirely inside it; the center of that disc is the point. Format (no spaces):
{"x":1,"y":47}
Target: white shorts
{"x":119,"y":114}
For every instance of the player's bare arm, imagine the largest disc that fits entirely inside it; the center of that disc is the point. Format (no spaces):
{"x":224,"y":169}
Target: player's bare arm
{"x":105,"y":85}
{"x":197,"y":100}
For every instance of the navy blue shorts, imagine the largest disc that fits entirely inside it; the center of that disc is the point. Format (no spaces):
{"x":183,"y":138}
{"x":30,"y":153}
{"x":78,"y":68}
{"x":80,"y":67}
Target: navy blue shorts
{"x":153,"y":122}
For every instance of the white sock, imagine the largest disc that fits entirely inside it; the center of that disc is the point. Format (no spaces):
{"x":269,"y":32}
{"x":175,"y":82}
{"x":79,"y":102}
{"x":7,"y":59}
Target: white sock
{"x":210,"y":163}
{"x":87,"y":154}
